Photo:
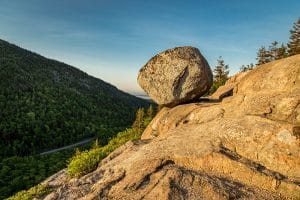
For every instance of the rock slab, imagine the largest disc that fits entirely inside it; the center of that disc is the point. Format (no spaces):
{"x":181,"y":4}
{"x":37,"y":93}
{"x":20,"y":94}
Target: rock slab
{"x":246,"y":145}
{"x":176,"y":76}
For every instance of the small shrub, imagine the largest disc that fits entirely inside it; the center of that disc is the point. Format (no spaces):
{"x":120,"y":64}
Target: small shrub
{"x":84,"y":162}
{"x":34,"y":192}
{"x":87,"y":161}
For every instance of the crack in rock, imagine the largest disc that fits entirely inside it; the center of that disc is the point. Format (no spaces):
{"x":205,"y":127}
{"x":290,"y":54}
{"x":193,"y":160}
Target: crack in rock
{"x":178,"y":83}
{"x":146,"y":179}
{"x":257,"y":167}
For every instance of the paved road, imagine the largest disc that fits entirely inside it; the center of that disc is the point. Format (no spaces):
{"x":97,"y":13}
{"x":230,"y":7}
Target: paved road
{"x":68,"y":146}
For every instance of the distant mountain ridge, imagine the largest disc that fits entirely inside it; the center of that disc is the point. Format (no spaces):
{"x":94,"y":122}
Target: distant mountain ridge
{"x":45,"y":103}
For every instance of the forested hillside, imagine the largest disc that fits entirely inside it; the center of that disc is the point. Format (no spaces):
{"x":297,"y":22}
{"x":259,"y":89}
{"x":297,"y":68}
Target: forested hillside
{"x":45,"y":104}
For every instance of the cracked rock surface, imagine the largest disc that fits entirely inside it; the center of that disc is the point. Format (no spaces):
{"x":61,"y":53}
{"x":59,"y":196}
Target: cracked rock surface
{"x":176,"y":76}
{"x":241,"y":145}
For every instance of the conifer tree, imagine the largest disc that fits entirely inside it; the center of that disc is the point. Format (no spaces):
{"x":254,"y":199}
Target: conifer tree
{"x":262,"y":56}
{"x":138,"y":124}
{"x":150,"y":112}
{"x":294,"y":43}
{"x":273,"y":51}
{"x":149,"y":116}
{"x":250,"y":67}
{"x":244,"y":68}
{"x":282,"y":52}
{"x":221,"y":71}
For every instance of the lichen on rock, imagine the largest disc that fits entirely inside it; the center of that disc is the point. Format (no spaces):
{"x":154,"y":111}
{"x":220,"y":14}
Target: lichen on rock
{"x":176,"y":76}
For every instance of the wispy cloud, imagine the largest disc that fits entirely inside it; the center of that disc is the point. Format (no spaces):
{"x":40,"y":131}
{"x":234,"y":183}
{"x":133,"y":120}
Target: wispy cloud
{"x":113,"y":39}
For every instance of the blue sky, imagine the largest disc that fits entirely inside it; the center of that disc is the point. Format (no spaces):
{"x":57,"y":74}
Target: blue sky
{"x":112,"y":39}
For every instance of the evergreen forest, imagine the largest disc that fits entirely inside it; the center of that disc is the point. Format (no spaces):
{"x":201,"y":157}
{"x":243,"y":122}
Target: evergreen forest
{"x":46,"y":104}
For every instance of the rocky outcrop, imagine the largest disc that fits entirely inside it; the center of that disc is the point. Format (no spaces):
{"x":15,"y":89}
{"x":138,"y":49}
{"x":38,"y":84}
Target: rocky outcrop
{"x":244,"y":145}
{"x":176,"y":76}
{"x":227,"y":89}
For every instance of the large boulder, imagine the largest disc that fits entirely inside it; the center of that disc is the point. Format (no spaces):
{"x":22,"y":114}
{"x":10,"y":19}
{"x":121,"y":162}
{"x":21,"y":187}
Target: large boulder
{"x":176,"y":76}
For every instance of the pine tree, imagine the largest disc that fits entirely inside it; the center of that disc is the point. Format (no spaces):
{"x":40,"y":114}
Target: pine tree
{"x":138,"y":124}
{"x":282,"y":52}
{"x":149,"y":116}
{"x":273,"y":51}
{"x":294,"y":43}
{"x":244,"y":68}
{"x":250,"y":67}
{"x":221,"y":71}
{"x":263,"y":56}
{"x":150,"y":112}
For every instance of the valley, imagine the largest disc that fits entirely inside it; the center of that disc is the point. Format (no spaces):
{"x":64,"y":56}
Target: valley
{"x":46,"y":106}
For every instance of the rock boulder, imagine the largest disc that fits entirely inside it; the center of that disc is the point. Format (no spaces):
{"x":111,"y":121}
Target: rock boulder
{"x":176,"y":76}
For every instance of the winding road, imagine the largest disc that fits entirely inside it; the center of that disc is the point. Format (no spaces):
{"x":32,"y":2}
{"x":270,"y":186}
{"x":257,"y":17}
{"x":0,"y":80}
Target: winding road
{"x":68,"y":146}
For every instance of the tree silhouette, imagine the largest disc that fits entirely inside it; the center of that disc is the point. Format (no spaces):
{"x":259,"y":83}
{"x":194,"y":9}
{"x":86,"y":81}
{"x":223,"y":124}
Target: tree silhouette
{"x":294,"y":42}
{"x":221,"y":71}
{"x":263,"y":56}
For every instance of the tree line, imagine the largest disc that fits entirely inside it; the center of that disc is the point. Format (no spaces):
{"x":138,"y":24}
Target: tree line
{"x":277,"y":51}
{"x":264,"y":55}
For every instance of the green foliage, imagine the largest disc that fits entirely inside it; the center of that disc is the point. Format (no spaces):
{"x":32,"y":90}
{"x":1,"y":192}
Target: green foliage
{"x":34,"y":192}
{"x":278,"y":52}
{"x":84,"y":162}
{"x":294,"y":42}
{"x":263,"y":56}
{"x":149,"y":116}
{"x":46,"y":104}
{"x":138,"y":124}
{"x":281,"y":52}
{"x":221,"y":72}
{"x":244,"y":68}
{"x":215,"y":86}
{"x":19,"y":173}
{"x":273,"y":53}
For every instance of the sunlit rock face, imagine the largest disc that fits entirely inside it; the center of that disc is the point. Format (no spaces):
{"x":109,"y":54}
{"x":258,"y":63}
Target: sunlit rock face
{"x":176,"y":76}
{"x":242,"y":144}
